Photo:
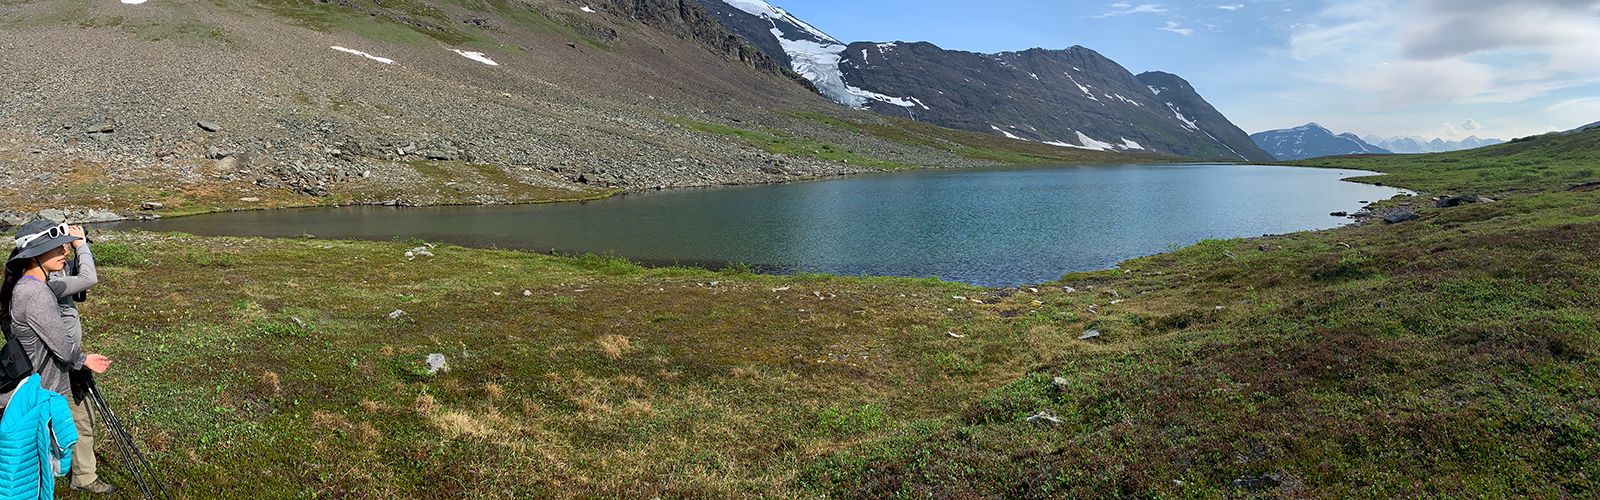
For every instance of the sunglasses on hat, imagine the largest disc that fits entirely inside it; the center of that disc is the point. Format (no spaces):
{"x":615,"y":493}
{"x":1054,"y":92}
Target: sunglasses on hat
{"x":54,"y":232}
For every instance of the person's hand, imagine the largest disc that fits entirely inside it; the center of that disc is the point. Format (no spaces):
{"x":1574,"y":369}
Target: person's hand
{"x":97,"y":363}
{"x":78,"y":232}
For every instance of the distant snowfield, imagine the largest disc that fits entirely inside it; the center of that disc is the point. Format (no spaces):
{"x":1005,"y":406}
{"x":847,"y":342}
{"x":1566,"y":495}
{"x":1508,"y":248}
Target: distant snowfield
{"x":384,"y":60}
{"x":586,"y":8}
{"x":476,"y":56}
{"x":133,"y":2}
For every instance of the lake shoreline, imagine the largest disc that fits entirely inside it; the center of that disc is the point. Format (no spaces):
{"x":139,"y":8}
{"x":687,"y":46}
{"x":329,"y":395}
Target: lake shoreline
{"x":907,"y":224}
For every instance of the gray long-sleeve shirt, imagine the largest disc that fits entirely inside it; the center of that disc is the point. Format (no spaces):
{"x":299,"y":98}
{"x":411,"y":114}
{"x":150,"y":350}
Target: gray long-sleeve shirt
{"x":64,"y":286}
{"x":37,"y":324}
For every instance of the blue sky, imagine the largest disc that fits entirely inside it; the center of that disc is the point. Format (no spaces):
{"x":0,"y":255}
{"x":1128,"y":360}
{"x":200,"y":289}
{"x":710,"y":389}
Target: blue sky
{"x":1435,"y":68}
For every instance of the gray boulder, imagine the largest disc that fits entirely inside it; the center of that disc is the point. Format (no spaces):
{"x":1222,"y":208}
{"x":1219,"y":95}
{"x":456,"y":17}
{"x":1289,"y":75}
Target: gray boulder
{"x":53,"y":214}
{"x":10,"y":219}
{"x":1045,"y":417}
{"x":102,"y":216}
{"x":208,"y":126}
{"x":1455,"y":201}
{"x":1400,"y":215}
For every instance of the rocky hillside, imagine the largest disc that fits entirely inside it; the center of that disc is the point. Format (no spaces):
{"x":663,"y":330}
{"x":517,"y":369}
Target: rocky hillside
{"x":197,"y":106}
{"x":1072,"y":98}
{"x":1311,"y":141}
{"x":1197,"y":114}
{"x":1418,"y":144}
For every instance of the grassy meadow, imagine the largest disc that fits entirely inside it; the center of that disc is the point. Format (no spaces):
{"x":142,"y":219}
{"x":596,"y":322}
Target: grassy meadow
{"x":1457,"y":355}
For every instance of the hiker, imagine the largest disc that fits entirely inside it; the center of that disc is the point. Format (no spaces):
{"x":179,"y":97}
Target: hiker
{"x":39,"y":324}
{"x":76,"y":278}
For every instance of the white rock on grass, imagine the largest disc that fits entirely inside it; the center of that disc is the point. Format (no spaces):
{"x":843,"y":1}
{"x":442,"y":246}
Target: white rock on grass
{"x":1089,"y":334}
{"x":437,"y":363}
{"x":397,"y":314}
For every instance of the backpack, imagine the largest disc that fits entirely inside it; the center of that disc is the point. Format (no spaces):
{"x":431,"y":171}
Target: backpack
{"x":14,"y":363}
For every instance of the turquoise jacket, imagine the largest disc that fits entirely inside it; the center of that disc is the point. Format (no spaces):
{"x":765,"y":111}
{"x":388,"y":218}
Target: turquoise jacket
{"x":36,"y":438}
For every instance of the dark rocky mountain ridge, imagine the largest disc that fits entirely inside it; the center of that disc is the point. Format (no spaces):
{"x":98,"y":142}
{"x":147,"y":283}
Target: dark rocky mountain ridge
{"x":1073,"y":97}
{"x":1311,"y":141}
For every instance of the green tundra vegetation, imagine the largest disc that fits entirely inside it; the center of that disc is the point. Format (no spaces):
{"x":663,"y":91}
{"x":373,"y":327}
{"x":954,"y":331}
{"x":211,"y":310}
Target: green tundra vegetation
{"x":1454,"y":355}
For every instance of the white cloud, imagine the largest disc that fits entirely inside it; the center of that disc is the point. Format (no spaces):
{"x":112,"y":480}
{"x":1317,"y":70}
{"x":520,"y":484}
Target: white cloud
{"x":1176,"y":28}
{"x":1426,"y":52}
{"x":1470,"y":124}
{"x":1231,"y":7}
{"x":1124,"y":8}
{"x":1572,"y":113}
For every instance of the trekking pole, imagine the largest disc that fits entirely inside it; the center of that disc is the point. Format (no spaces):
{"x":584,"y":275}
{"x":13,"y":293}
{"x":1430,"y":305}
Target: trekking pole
{"x":122,"y":446}
{"x":144,"y":475}
{"x":116,"y":438}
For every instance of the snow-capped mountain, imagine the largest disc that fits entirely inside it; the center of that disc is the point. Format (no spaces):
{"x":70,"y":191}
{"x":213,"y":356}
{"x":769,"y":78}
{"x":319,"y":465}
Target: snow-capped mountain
{"x":1311,"y":141}
{"x":1417,"y":144}
{"x":1072,"y":98}
{"x":807,"y":50}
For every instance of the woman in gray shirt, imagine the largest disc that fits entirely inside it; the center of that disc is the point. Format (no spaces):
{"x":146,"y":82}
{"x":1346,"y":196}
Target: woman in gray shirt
{"x":35,"y":317}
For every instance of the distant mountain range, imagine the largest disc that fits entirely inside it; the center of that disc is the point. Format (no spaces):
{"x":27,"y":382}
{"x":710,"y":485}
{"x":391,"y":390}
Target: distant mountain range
{"x":1417,"y":144}
{"x":1311,"y":141}
{"x":1073,"y":97}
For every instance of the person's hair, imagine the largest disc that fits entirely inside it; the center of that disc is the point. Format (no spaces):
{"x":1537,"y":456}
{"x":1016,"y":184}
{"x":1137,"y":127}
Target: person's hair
{"x":14,"y":270}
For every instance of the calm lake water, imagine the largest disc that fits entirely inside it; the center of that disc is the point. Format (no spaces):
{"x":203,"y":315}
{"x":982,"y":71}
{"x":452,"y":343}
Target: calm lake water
{"x":988,"y":227}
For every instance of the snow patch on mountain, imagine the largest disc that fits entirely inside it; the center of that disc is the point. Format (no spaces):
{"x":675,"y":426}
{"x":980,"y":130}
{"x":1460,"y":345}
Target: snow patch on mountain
{"x":1008,"y":135}
{"x":1090,"y":143}
{"x":819,"y":63}
{"x":476,"y":56}
{"x":1187,"y":123}
{"x":1129,"y":144}
{"x":1082,"y":88}
{"x":586,"y":8}
{"x":865,"y":94}
{"x":770,"y":12}
{"x":1129,"y":101}
{"x":812,"y":53}
{"x":384,"y":60}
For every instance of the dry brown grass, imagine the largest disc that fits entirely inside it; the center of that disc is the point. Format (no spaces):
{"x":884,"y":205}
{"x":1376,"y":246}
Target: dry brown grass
{"x":272,"y":381}
{"x":494,"y":391}
{"x":614,"y":346}
{"x":426,"y":404}
{"x":631,"y":382}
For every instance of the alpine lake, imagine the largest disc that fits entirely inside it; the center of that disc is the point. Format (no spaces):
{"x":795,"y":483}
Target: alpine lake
{"x":991,"y":227}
